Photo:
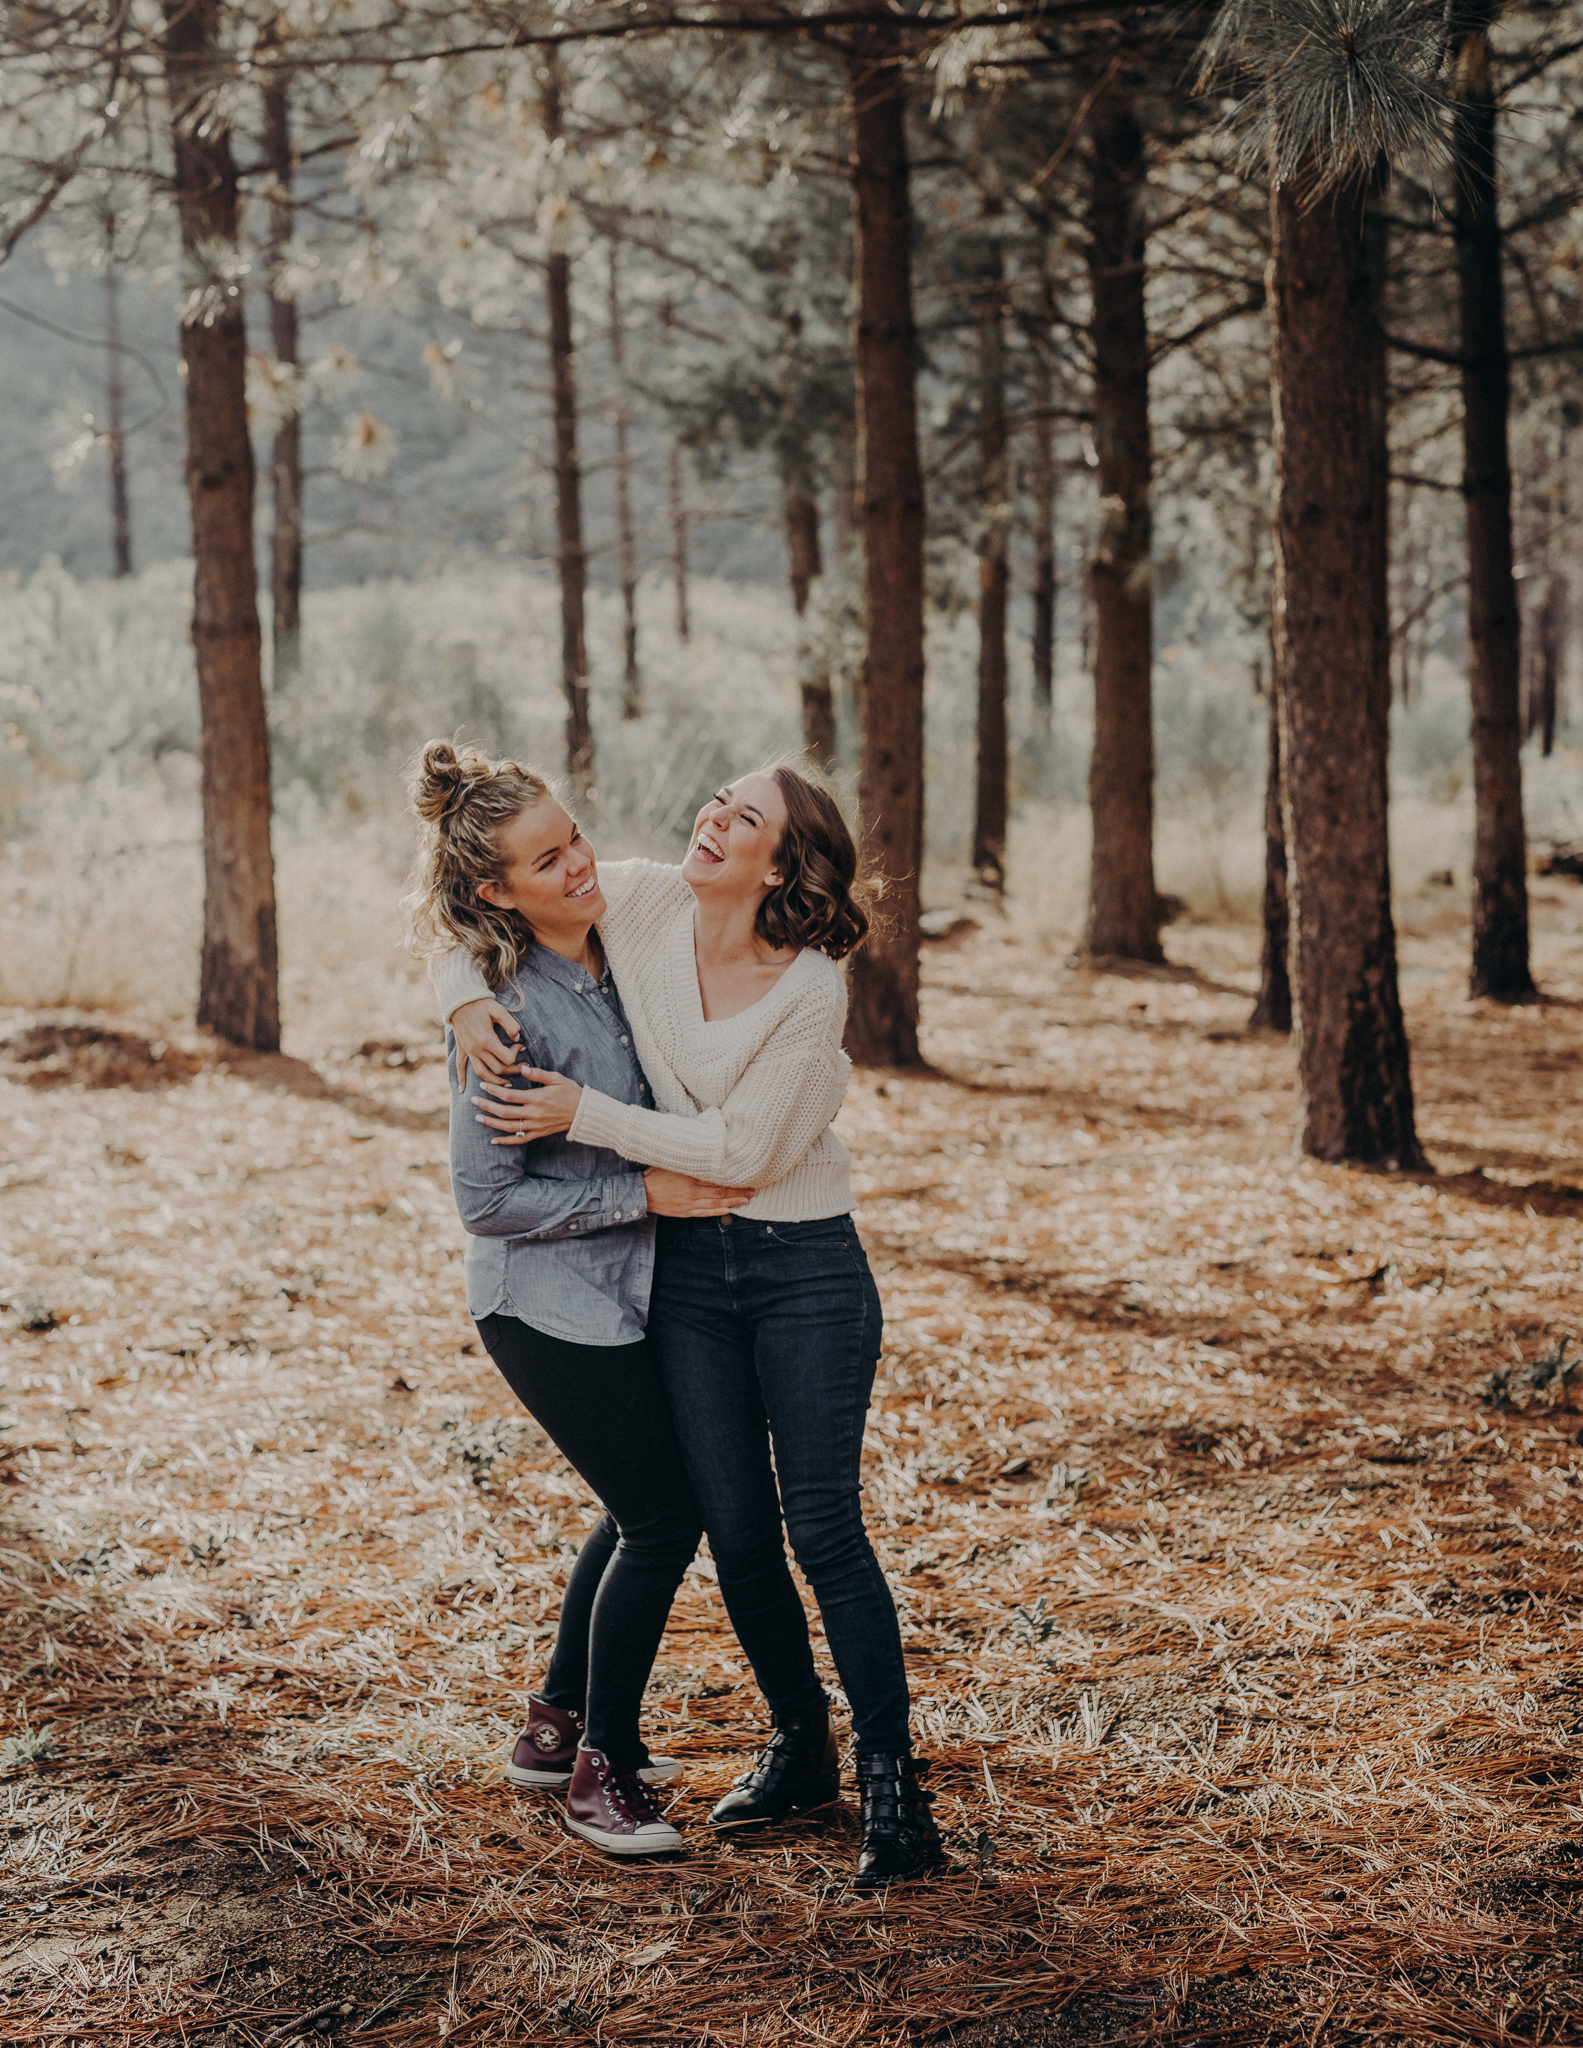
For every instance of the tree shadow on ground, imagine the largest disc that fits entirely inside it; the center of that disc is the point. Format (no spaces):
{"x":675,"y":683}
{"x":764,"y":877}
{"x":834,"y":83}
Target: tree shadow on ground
{"x":292,"y":1076}
{"x":1544,"y":1197}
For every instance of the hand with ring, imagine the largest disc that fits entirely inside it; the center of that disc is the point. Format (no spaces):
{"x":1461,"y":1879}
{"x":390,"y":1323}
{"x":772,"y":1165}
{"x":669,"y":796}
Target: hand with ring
{"x":521,"y":1118}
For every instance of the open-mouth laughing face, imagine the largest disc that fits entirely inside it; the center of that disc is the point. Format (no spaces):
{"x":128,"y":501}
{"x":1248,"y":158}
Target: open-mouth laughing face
{"x":736,"y":839}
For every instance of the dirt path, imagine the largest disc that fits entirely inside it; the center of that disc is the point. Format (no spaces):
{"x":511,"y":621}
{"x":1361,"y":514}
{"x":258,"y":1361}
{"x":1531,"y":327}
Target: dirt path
{"x":1243,"y":1621}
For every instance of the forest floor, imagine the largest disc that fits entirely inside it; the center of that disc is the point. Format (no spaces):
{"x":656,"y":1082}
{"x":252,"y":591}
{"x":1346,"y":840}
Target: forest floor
{"x":1233,"y":1520}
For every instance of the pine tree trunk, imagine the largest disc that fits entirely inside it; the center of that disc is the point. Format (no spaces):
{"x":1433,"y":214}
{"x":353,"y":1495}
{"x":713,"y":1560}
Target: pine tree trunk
{"x":570,"y":554}
{"x":1272,"y":1009}
{"x":989,"y":811}
{"x":676,"y":509}
{"x":1123,"y":920}
{"x":1547,"y":666}
{"x":626,"y":538}
{"x":286,"y":454}
{"x":676,"y":502}
{"x":1500,"y":874}
{"x":882,"y":1026}
{"x":803,"y":559}
{"x":843,"y":492}
{"x":115,"y":395}
{"x":805,"y":564}
{"x":238,"y":990}
{"x":1551,"y":622}
{"x":1043,"y":493}
{"x":1333,"y":660}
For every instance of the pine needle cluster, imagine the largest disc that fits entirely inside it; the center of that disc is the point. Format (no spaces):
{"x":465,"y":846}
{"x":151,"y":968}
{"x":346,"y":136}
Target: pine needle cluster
{"x":1332,"y":89}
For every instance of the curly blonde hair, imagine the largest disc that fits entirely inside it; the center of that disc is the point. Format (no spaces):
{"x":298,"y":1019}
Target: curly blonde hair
{"x":461,"y":797}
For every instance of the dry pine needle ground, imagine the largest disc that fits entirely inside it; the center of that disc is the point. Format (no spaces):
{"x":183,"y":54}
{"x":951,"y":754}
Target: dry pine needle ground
{"x":1235,"y":1535}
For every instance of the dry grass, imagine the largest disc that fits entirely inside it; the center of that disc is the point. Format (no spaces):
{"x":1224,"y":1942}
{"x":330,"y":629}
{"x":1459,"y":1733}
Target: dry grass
{"x":1243,"y":1626}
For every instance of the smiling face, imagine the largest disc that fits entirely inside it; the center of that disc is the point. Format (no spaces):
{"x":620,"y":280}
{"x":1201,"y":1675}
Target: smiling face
{"x":736,"y":841}
{"x":550,"y":876}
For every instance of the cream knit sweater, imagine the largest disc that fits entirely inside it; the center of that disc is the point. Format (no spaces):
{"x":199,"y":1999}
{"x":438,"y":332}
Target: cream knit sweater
{"x":747,"y":1101}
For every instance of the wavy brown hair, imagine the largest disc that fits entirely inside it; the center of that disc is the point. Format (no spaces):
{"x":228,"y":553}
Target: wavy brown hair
{"x":461,"y":796}
{"x":822,"y":900}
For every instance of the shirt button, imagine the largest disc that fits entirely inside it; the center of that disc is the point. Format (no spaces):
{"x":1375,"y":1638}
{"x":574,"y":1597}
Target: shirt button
{"x":625,"y":1040}
{"x":574,"y":1226}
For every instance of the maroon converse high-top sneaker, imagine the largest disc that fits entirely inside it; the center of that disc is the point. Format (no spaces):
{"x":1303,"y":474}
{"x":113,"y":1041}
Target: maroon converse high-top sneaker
{"x":615,"y":1810}
{"x":547,"y":1749}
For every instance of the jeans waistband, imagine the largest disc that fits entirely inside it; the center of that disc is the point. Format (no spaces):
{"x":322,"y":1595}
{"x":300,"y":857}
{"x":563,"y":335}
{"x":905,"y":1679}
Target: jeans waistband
{"x":710,"y":1229}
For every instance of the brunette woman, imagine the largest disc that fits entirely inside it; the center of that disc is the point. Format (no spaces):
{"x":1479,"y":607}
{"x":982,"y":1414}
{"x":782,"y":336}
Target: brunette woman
{"x":560,"y":1256}
{"x":765,"y":1323}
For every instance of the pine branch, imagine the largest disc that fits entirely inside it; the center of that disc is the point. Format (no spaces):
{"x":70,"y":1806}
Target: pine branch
{"x":1334,"y":88}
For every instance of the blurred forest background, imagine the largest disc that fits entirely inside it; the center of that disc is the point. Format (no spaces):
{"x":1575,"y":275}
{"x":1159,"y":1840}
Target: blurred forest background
{"x":549,"y":333}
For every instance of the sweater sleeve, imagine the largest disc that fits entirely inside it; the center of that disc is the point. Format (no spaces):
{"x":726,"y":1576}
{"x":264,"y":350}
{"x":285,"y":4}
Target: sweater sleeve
{"x":456,"y":981}
{"x":786,"y":1098}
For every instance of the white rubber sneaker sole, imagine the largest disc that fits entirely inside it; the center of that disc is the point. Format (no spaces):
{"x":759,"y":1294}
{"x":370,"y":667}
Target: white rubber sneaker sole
{"x":658,"y":1838}
{"x":659,"y":1770}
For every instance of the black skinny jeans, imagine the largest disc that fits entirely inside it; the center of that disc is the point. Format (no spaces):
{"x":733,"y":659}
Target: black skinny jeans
{"x":603,"y":1409}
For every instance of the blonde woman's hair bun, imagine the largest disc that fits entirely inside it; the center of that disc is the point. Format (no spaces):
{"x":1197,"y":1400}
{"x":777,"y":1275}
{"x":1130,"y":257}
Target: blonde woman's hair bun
{"x":440,"y":775}
{"x":463,"y":798}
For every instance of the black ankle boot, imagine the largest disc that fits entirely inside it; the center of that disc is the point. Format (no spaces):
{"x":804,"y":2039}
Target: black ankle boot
{"x":900,"y":1838}
{"x":798,"y":1768}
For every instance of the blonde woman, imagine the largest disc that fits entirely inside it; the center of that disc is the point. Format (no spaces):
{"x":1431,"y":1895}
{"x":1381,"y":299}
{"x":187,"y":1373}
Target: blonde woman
{"x":765,"y":1323}
{"x":560,"y":1257}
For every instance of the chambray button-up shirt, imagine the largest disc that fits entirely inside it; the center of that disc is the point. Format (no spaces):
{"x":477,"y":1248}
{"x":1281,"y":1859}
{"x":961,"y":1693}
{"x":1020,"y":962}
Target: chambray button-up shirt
{"x":559,"y":1235}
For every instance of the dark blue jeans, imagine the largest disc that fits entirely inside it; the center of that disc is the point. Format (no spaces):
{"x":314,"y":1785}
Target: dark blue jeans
{"x":768,"y":1334}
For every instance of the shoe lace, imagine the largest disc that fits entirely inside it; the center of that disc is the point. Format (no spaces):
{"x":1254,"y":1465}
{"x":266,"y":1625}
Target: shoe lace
{"x":631,"y":1798}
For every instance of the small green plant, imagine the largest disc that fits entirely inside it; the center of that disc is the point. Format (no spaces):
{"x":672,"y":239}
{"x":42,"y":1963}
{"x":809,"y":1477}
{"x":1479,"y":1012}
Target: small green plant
{"x":33,"y":1312}
{"x":32,"y":1746}
{"x":264,"y":1223}
{"x":1034,"y":1625}
{"x":1549,"y":1376}
{"x":476,"y":1445}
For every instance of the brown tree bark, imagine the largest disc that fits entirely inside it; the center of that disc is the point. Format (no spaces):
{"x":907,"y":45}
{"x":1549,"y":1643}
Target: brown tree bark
{"x":818,"y":720}
{"x":1333,"y":659}
{"x":238,"y":990}
{"x":676,"y":509}
{"x":804,"y":561}
{"x":570,"y":554}
{"x":989,"y":810}
{"x":676,"y":503}
{"x":1272,"y":1008}
{"x":805,"y":564}
{"x":626,"y":538}
{"x":1043,"y":493}
{"x":1500,"y":871}
{"x":882,"y":1024}
{"x":285,"y":468}
{"x":1551,"y":634}
{"x":1551,"y":617}
{"x":115,"y":396}
{"x":843,"y":492}
{"x":1123,"y":919}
